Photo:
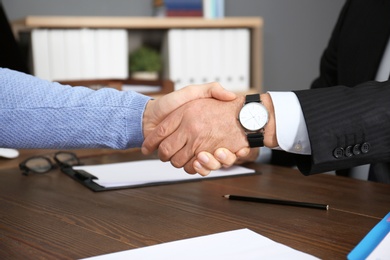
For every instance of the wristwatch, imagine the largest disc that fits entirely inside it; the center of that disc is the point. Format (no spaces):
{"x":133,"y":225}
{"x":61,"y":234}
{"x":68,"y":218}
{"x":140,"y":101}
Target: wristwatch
{"x":253,"y":117}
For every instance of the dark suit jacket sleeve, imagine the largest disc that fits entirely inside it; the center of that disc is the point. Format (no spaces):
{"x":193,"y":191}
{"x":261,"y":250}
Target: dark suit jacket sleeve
{"x":346,"y":118}
{"x":356,"y":46}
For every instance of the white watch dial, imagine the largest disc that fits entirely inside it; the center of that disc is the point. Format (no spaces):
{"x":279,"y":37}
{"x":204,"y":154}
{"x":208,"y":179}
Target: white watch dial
{"x":253,"y":116}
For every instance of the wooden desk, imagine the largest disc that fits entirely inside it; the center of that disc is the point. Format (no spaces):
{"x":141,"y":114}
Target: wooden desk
{"x":50,"y":216}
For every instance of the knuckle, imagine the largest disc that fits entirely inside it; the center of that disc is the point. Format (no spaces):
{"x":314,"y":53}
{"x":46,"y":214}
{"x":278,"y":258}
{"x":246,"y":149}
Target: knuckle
{"x":197,"y":131}
{"x":163,"y":152}
{"x":175,"y":163}
{"x":161,"y":131}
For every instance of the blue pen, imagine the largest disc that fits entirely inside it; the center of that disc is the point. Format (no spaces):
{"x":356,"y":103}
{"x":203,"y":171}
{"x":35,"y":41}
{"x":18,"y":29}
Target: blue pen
{"x":371,"y":240}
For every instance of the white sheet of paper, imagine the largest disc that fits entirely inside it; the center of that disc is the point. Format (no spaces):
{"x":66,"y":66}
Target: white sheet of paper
{"x":382,"y":251}
{"x":243,"y":244}
{"x":149,"y":172}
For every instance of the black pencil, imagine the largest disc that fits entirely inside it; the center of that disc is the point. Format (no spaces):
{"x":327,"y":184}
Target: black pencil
{"x":280,"y":202}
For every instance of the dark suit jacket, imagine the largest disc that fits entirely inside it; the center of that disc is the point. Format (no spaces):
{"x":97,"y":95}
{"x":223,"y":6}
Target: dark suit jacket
{"x":10,"y":53}
{"x":347,"y":110}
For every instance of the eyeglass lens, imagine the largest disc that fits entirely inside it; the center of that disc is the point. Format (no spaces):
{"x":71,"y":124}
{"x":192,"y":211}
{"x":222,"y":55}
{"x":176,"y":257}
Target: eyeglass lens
{"x":68,"y":159}
{"x":42,"y":164}
{"x":39,"y":165}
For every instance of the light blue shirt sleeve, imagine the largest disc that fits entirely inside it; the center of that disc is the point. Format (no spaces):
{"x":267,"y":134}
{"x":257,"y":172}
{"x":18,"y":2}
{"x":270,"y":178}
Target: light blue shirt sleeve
{"x":35,"y":113}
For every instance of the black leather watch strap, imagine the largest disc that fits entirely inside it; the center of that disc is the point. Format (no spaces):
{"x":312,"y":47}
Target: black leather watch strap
{"x":255,"y":140}
{"x":252,"y":98}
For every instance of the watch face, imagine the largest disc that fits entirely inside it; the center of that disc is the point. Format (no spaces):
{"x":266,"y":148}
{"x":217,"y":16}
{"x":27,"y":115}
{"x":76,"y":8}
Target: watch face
{"x":253,"y":116}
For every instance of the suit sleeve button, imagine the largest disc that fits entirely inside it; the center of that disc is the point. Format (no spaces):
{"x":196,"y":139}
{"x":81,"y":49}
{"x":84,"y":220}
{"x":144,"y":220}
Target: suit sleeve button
{"x":338,"y":152}
{"x":365,"y":147}
{"x":356,"y":149}
{"x":348,"y":151}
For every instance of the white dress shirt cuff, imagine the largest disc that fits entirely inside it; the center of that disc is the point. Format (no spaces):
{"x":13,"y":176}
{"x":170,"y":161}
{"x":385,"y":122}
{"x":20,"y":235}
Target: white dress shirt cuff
{"x":291,"y":131}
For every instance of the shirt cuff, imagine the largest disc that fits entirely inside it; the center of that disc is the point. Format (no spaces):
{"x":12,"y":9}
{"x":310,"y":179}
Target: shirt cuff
{"x":291,"y":131}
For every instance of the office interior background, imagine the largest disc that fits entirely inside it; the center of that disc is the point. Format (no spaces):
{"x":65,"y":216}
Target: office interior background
{"x":294,"y":36}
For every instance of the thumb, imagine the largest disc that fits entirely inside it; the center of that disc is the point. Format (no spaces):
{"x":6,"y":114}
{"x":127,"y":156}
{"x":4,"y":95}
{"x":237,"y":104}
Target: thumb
{"x":174,"y":100}
{"x":208,"y":90}
{"x":218,"y":92}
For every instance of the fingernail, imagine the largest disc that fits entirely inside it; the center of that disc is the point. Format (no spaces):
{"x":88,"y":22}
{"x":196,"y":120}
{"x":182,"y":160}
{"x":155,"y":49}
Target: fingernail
{"x":221,"y":155}
{"x":203,"y":158}
{"x":197,"y":165}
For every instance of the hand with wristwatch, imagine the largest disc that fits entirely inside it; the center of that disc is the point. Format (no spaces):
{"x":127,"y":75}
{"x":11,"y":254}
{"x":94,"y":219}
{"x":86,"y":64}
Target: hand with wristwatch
{"x":255,"y":115}
{"x":209,"y":124}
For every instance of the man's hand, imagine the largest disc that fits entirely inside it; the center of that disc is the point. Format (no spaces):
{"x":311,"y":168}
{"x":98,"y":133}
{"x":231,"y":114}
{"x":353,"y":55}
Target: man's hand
{"x":157,"y":110}
{"x":199,"y":125}
{"x":222,"y":157}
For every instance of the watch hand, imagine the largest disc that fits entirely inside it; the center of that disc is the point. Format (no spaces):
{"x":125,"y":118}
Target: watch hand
{"x":253,"y":116}
{"x":249,"y":119}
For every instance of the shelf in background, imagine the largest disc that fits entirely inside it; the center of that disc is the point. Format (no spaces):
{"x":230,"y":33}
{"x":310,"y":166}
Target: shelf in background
{"x":137,"y":22}
{"x":254,"y":24}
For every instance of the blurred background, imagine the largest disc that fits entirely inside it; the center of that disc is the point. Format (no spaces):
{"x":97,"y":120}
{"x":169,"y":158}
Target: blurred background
{"x":295,"y":32}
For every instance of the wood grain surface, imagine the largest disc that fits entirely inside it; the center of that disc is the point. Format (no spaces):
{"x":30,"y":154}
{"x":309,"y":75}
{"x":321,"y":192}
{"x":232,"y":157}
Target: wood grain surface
{"x":50,"y":216}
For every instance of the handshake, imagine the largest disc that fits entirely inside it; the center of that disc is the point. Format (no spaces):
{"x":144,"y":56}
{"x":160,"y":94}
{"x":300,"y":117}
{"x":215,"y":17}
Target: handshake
{"x":197,"y":128}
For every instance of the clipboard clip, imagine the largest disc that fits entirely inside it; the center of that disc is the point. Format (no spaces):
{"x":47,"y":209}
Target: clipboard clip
{"x":84,"y":176}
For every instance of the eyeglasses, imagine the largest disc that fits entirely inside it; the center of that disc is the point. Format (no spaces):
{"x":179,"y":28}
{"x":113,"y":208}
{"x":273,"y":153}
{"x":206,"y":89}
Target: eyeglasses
{"x":43,"y":164}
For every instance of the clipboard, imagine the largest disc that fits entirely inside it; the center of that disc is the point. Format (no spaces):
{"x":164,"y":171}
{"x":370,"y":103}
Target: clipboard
{"x":142,"y":173}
